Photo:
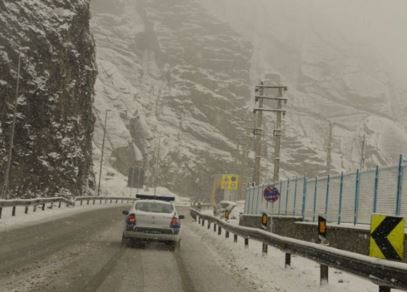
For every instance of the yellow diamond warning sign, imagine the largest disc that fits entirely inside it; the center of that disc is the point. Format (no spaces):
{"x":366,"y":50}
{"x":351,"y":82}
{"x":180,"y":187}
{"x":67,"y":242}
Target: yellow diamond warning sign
{"x":387,"y":237}
{"x":229,"y":182}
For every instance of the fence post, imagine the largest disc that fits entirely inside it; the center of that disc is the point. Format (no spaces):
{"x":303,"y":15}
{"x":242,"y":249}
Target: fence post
{"x":295,"y":194}
{"x":1,"y":211}
{"x":340,"y":199}
{"x":327,"y":195}
{"x":246,"y":201}
{"x":26,"y":209}
{"x":279,"y":201}
{"x":286,"y":196}
{"x":315,"y":199}
{"x":399,"y":185}
{"x":376,"y":189}
{"x":356,"y":207}
{"x":13,"y":211}
{"x":304,"y":196}
{"x":59,"y":204}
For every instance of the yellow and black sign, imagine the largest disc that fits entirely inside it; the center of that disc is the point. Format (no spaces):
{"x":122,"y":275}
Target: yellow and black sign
{"x":264,"y":219}
{"x":387,"y":237}
{"x":229,"y":182}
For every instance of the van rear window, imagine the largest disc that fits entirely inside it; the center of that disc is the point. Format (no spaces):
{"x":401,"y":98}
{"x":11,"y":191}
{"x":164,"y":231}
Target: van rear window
{"x":154,"y":207}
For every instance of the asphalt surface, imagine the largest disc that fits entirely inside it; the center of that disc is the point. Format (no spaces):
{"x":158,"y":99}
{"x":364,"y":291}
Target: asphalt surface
{"x":83,"y":252}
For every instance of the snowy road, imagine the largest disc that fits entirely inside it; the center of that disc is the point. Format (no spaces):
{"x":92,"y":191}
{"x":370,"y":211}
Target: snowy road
{"x":83,"y":253}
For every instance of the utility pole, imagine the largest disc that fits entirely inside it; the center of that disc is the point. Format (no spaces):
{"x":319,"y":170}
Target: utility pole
{"x":277,"y":131}
{"x":103,"y":150}
{"x":156,"y":166}
{"x":13,"y":128}
{"x":257,"y":132}
{"x":362,"y":152}
{"x":329,"y":150}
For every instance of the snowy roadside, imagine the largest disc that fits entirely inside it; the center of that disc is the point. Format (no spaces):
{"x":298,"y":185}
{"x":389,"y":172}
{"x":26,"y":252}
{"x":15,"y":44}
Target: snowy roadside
{"x":8,"y":222}
{"x":267,"y":272}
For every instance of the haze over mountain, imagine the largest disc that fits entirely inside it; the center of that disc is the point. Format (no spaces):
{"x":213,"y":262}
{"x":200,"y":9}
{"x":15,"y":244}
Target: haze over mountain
{"x":180,"y":75}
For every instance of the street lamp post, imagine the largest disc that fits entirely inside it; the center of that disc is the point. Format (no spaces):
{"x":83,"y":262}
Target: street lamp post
{"x":103,"y":150}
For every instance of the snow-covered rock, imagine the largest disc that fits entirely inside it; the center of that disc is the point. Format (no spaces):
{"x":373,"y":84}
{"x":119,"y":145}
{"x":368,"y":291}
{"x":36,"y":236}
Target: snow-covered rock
{"x":53,"y":139}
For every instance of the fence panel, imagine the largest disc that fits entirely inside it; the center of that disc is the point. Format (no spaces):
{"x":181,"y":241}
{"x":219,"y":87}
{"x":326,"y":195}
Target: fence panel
{"x":403,"y":195}
{"x":348,"y":198}
{"x":387,"y":191}
{"x":351,"y":199}
{"x":309,"y":199}
{"x":333,"y":201}
{"x":366,"y":192}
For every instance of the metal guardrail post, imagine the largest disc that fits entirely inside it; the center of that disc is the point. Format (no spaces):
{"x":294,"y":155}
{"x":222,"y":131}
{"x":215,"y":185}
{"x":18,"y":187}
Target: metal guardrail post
{"x":384,"y":289}
{"x":26,"y":209}
{"x":13,"y":211}
{"x":399,"y":186}
{"x":315,"y":200}
{"x":209,"y":224}
{"x":323,"y":275}
{"x":214,"y":227}
{"x":376,"y":189}
{"x":327,"y":195}
{"x":286,"y":196}
{"x":1,"y":211}
{"x":287,"y":262}
{"x":356,"y":203}
{"x":43,"y":207}
{"x":203,"y":222}
{"x":59,"y":204}
{"x":226,"y":234}
{"x":219,"y":230}
{"x":234,"y":237}
{"x":295,"y":195}
{"x":246,"y":242}
{"x":340,"y":199}
{"x":304,"y":197}
{"x":264,"y":248}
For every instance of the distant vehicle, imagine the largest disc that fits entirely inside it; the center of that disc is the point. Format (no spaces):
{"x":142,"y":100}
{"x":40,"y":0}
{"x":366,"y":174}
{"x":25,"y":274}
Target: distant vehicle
{"x":222,"y":207}
{"x":152,"y":218}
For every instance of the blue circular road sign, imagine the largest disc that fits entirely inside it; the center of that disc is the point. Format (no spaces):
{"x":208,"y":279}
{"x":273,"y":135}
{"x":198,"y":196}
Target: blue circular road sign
{"x":271,"y":193}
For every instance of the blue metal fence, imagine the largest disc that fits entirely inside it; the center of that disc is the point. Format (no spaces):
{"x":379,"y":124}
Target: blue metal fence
{"x":350,"y":198}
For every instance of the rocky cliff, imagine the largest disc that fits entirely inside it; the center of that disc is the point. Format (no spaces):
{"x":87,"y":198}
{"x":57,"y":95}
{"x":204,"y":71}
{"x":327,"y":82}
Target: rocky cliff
{"x":53,"y":139}
{"x":177,"y":81}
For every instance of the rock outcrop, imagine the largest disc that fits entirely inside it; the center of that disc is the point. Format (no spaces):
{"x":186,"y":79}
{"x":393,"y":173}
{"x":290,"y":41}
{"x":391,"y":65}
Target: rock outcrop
{"x":52,"y":152}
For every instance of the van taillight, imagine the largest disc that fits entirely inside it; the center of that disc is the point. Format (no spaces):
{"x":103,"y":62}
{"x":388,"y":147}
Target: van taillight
{"x":175,"y":223}
{"x":131,"y":219}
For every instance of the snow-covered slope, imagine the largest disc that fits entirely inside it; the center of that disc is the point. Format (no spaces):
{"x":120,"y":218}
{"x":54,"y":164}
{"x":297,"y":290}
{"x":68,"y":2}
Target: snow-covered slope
{"x":177,"y":81}
{"x":341,"y":66}
{"x":180,"y":77}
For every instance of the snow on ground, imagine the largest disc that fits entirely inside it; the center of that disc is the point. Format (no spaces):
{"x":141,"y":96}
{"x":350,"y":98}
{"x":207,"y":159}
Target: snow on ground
{"x":267,"y":272}
{"x":8,"y":222}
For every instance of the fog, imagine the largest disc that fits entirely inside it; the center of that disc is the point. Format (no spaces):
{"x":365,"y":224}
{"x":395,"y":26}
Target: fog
{"x":369,"y":28}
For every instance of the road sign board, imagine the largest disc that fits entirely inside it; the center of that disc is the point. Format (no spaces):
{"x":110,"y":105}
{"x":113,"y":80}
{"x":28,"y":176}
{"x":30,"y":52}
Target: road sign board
{"x":387,"y":237}
{"x":229,"y":182}
{"x":271,"y":193}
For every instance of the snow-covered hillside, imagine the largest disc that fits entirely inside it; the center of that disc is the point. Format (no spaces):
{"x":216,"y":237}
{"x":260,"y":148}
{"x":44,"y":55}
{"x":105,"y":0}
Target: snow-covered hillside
{"x":177,"y":81}
{"x":341,"y":63}
{"x":180,"y":79}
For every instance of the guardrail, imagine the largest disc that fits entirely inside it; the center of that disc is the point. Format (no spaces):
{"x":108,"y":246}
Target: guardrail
{"x":42,"y":202}
{"x":386,"y":274}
